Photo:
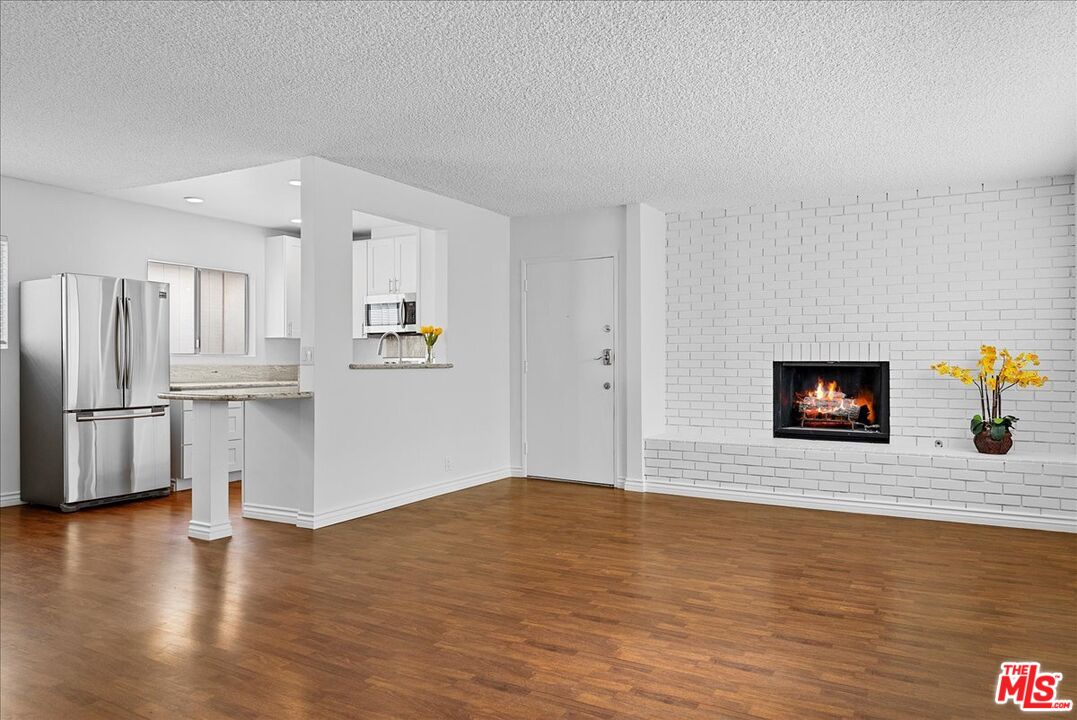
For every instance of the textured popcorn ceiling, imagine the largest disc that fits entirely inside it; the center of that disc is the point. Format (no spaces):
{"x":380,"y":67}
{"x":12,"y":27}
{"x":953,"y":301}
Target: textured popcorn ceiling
{"x":543,"y":107}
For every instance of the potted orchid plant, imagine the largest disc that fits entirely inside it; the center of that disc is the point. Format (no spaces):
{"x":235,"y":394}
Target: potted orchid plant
{"x":991,"y":429}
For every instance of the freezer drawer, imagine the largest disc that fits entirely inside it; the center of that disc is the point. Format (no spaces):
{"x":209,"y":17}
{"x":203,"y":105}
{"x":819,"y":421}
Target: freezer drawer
{"x":113,"y":453}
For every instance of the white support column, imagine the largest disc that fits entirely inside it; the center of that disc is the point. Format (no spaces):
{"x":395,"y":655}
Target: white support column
{"x":645,"y":328}
{"x":209,"y":479}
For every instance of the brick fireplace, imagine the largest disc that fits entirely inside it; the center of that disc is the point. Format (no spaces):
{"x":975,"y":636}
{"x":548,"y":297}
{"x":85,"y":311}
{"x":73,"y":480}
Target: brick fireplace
{"x":893,"y":281}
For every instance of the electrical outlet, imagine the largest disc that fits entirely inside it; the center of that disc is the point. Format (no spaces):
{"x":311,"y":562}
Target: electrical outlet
{"x":939,"y":443}
{"x":448,"y":463}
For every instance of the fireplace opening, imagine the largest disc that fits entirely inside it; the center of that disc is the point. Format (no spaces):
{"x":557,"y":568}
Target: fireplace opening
{"x":832,"y":401}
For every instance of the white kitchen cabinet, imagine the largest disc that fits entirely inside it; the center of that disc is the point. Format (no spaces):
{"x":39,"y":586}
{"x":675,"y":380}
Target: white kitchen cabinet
{"x":382,"y":266}
{"x":407,"y":264}
{"x":359,"y":287}
{"x":183,"y":443}
{"x":283,"y":272}
{"x":393,"y":265}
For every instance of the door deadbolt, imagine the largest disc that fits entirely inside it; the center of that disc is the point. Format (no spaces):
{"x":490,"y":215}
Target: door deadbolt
{"x":606,"y":386}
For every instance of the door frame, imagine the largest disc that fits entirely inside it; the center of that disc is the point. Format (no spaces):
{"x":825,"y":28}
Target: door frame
{"x":618,"y":374}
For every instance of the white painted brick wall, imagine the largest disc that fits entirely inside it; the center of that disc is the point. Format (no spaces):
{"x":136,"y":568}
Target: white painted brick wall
{"x":913,"y":276}
{"x":1038,"y":493}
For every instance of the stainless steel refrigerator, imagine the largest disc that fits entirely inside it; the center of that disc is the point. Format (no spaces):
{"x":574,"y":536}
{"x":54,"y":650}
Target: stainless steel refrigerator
{"x":93,"y":359}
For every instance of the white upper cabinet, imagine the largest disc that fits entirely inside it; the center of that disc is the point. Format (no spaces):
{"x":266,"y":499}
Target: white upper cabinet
{"x":283,"y":272}
{"x":393,"y":265}
{"x":407,"y":263}
{"x":382,"y":266}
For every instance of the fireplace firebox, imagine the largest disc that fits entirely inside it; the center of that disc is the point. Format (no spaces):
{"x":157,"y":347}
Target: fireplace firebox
{"x":822,"y":400}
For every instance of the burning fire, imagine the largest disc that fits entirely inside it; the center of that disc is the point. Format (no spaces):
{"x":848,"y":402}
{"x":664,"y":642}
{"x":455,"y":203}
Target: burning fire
{"x":830,"y":390}
{"x":827,"y":404}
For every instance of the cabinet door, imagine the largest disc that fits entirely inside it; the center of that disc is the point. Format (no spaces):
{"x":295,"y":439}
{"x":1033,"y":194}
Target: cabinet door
{"x":407,"y":257}
{"x":293,"y":253}
{"x":235,"y":456}
{"x":274,"y":284}
{"x":359,"y":279}
{"x":381,"y":266}
{"x":235,"y":422}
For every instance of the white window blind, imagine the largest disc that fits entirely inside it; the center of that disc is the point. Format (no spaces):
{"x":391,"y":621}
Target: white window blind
{"x":3,"y":293}
{"x":211,"y":311}
{"x":234,"y":313}
{"x":181,"y":303}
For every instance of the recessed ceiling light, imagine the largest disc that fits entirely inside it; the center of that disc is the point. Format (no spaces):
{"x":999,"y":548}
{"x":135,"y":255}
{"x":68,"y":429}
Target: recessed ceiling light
{"x":295,"y":183}
{"x":297,"y":221}
{"x":193,"y":199}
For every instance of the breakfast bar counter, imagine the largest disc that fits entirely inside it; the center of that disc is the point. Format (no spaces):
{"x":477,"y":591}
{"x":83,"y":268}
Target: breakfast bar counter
{"x":209,"y":478}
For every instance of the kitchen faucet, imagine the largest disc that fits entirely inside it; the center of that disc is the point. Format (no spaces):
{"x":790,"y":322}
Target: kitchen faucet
{"x":399,"y":345}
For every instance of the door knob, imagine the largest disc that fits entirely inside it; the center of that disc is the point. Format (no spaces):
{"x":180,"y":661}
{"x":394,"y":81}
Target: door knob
{"x":606,"y":386}
{"x":606,"y":357}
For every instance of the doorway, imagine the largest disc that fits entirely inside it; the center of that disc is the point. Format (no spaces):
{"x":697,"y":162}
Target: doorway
{"x":569,"y":309}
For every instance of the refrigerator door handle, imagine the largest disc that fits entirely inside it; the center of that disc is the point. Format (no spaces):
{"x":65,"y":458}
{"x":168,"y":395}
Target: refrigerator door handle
{"x":127,"y":342}
{"x":121,"y":352}
{"x":91,"y":416}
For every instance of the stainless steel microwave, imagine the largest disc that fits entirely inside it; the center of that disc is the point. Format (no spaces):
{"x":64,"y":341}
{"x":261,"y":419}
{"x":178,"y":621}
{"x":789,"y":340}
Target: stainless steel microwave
{"x":390,"y":313}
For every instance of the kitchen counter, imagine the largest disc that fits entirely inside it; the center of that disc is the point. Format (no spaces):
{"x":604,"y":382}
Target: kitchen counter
{"x":210,"y":426}
{"x":224,"y":384}
{"x":239,"y":393}
{"x":399,"y":366}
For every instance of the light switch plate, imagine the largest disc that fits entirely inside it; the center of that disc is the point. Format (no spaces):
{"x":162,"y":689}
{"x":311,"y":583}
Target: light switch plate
{"x":306,"y":355}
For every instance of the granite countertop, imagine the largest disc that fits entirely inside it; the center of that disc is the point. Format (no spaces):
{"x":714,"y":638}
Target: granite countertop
{"x":225,"y":385}
{"x":240,"y":393}
{"x":400,"y":366}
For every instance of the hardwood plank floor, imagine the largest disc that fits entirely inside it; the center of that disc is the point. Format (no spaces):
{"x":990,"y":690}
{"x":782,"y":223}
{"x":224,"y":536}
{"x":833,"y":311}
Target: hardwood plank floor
{"x":526,"y":599}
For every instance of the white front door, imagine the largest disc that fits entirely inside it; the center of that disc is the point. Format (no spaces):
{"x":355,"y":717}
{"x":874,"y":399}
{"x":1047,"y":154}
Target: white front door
{"x":568,"y":386}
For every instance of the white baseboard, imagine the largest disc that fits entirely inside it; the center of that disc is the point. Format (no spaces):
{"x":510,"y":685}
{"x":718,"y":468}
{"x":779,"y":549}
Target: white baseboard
{"x":204,"y":531}
{"x":516,"y":471}
{"x":867,"y":507}
{"x":271,"y":513}
{"x":634,"y":485}
{"x":11,"y":498}
{"x":369,"y":507}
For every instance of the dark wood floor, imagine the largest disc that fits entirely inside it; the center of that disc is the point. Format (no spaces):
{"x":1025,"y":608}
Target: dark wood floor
{"x":526,"y":599}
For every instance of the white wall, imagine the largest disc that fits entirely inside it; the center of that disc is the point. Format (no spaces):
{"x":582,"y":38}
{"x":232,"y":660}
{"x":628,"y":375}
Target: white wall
{"x":52,"y":230}
{"x":591,"y":233}
{"x":920,"y":276}
{"x":382,"y":438}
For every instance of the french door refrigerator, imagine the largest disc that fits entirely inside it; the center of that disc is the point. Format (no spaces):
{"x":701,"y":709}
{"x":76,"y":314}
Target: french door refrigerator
{"x":93,"y":359}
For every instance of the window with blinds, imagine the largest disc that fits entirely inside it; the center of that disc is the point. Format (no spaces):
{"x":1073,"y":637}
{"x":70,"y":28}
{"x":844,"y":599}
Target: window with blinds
{"x":3,"y":293}
{"x":208,"y":309}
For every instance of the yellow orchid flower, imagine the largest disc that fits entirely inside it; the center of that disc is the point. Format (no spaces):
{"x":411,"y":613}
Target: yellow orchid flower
{"x":992,"y":383}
